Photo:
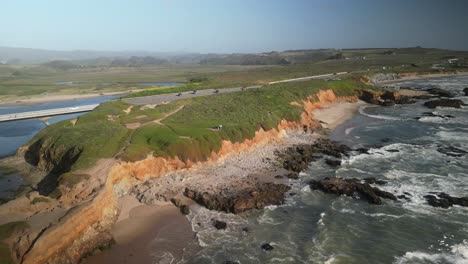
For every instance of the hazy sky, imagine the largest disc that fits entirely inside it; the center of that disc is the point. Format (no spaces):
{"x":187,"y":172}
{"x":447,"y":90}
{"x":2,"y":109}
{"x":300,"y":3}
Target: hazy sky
{"x":232,"y":26}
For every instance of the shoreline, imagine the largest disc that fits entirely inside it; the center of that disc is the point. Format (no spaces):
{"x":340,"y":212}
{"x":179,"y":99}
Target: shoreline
{"x":423,"y":76}
{"x":149,"y":219}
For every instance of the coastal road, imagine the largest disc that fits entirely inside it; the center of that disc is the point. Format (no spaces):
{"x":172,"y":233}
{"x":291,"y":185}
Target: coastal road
{"x":160,"y":98}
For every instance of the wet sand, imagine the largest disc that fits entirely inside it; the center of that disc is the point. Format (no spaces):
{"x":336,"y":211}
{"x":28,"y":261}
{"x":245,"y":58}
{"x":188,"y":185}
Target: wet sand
{"x":147,"y":234}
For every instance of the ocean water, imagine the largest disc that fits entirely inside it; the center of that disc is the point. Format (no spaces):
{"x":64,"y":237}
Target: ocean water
{"x":314,"y":227}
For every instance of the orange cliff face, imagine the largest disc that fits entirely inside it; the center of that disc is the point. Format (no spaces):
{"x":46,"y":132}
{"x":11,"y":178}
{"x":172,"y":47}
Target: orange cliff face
{"x":87,"y":226}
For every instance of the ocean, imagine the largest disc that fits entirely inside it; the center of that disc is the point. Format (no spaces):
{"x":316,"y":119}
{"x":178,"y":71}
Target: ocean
{"x":407,"y":149}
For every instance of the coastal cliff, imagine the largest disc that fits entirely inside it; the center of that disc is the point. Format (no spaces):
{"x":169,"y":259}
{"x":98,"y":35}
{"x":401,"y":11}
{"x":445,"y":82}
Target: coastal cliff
{"x":87,"y":223}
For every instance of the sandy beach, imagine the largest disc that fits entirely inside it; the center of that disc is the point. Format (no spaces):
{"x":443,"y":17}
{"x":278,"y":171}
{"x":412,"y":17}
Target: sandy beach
{"x":151,"y":230}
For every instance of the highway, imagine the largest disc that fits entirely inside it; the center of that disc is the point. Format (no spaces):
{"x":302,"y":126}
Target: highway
{"x":160,"y":98}
{"x":48,"y":112}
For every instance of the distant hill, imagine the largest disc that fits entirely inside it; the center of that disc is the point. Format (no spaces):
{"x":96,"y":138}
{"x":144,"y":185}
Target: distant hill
{"x":38,"y":56}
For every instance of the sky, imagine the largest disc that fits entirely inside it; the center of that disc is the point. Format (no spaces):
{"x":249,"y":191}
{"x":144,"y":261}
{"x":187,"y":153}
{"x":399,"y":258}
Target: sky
{"x":222,"y":26}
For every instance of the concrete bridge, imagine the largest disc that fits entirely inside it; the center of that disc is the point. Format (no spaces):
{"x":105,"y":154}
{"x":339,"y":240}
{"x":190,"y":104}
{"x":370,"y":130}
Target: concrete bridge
{"x":48,"y":112}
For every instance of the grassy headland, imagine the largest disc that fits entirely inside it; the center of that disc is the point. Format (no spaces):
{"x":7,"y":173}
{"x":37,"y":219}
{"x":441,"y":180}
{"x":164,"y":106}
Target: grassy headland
{"x":186,"y":132}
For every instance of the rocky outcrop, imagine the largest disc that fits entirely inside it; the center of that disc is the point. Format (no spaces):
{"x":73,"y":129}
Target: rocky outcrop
{"x":235,"y":199}
{"x":440,"y":92}
{"x":351,"y":187}
{"x":444,"y":200}
{"x":453,"y":103}
{"x":297,"y":158}
{"x":396,"y":97}
{"x":387,"y":98}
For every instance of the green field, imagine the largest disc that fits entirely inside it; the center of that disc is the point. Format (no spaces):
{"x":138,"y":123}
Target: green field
{"x":17,"y":82}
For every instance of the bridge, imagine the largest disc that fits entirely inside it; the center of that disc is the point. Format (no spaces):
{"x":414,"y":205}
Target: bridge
{"x":48,"y":112}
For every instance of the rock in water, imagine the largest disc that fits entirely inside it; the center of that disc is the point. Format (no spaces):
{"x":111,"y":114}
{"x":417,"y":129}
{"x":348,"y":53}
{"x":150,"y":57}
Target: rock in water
{"x":444,"y":200}
{"x":440,"y":92}
{"x":454,"y":103}
{"x":219,"y":224}
{"x":239,"y":198}
{"x":267,"y":247}
{"x":333,"y":162}
{"x":351,"y":187}
{"x":466,"y":91}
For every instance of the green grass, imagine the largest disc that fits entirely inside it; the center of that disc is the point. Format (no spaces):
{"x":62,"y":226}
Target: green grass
{"x":6,"y":231}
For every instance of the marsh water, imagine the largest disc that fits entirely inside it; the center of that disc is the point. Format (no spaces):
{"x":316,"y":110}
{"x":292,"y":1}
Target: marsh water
{"x":315,"y":227}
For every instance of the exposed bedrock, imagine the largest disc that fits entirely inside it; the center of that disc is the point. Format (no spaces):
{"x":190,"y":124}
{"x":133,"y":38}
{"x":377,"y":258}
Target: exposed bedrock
{"x":234,"y":199}
{"x":440,"y":92}
{"x":387,"y":98}
{"x":444,"y":200}
{"x":352,"y":187}
{"x":453,"y":103}
{"x":297,"y":158}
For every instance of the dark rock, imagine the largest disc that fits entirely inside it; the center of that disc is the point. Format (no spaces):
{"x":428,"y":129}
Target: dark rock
{"x":293,"y":175}
{"x":444,"y":200}
{"x":392,"y":150}
{"x":246,"y":229}
{"x":297,"y":158}
{"x":219,"y":224}
{"x":452,"y":151}
{"x":403,"y":197}
{"x":370,"y":97}
{"x":466,"y":91}
{"x":387,"y":103}
{"x":362,"y":150}
{"x":279,"y":177}
{"x":235,"y":199}
{"x":440,"y":92}
{"x":372,"y":180}
{"x":333,"y":162}
{"x":231,"y":262}
{"x":454,"y":103}
{"x":351,"y":187}
{"x":184,"y":209}
{"x":267,"y":247}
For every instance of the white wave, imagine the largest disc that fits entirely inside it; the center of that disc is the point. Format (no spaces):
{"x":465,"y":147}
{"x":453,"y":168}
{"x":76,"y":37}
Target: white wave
{"x":362,"y":108}
{"x":434,"y":119}
{"x":349,"y":130}
{"x":452,"y":136}
{"x":457,"y":255}
{"x":320,"y":221}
